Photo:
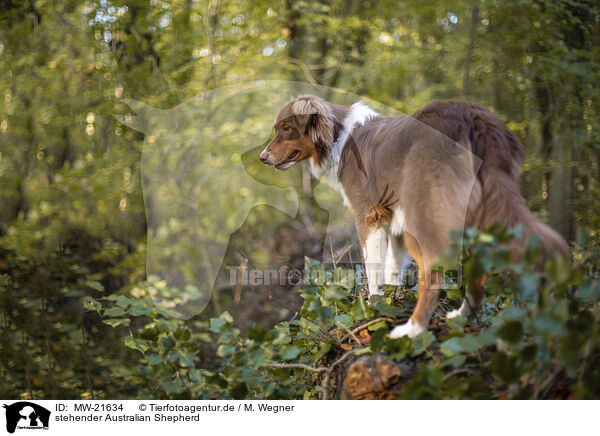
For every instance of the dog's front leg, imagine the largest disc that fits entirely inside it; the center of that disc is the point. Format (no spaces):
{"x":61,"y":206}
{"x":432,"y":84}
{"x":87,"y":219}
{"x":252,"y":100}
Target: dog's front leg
{"x":374,"y":250}
{"x":397,"y":260}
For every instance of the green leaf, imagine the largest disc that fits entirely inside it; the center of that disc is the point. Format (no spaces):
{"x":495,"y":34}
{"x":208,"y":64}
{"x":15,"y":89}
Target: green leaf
{"x":114,"y":312}
{"x":115,"y":322}
{"x":256,"y":333}
{"x":343,"y":320}
{"x":149,"y":334}
{"x":217,"y":379}
{"x":505,"y":367}
{"x":186,"y":359}
{"x":381,"y":305}
{"x":216,"y":324}
{"x":360,"y":310}
{"x":171,"y":387}
{"x":422,"y":342}
{"x":335,"y":292}
{"x":466,"y":344}
{"x":454,"y":361}
{"x":239,"y":391}
{"x":453,"y":293}
{"x":558,"y":269}
{"x":528,"y":288}
{"x":136,"y":344}
{"x":378,"y":337}
{"x":377,"y":325}
{"x":227,"y":317}
{"x":452,"y":346}
{"x":154,"y":359}
{"x":168,"y":342}
{"x":95,"y":285}
{"x":457,"y":323}
{"x":398,"y":348}
{"x":511,"y":331}
{"x":289,"y":352}
{"x":191,"y":347}
{"x":589,"y":290}
{"x":182,"y":334}
{"x":90,"y":303}
{"x":139,"y":310}
{"x":225,"y":350}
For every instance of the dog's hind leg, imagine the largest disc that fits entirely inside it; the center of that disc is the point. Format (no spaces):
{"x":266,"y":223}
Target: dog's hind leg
{"x":430,"y":283}
{"x":472,"y":301}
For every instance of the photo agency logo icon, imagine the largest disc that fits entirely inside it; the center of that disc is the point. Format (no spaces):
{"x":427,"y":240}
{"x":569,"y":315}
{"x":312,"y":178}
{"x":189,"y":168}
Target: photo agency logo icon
{"x":26,"y":415}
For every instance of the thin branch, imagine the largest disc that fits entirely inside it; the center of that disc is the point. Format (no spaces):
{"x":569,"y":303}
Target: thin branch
{"x":321,"y":327}
{"x":365,"y":325}
{"x":296,"y":366}
{"x":350,"y":333}
{"x":327,"y":377}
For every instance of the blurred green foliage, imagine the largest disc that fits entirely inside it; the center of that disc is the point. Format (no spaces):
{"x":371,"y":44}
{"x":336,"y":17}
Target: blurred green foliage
{"x":541,"y":337}
{"x":73,"y":229}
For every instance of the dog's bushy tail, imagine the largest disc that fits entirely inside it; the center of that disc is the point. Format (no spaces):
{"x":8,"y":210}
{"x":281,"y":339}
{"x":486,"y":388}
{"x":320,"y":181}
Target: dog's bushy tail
{"x":473,"y":126}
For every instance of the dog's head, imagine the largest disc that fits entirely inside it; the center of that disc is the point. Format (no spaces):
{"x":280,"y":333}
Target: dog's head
{"x":304,"y":128}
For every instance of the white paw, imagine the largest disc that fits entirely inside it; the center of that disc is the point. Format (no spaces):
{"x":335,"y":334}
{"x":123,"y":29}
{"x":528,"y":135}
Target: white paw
{"x":392,"y":278}
{"x":376,"y":290}
{"x":453,"y":314}
{"x":410,"y":329}
{"x":463,"y":310}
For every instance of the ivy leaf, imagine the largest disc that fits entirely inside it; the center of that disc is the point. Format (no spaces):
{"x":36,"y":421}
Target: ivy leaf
{"x":239,"y":391}
{"x":139,"y":310}
{"x":90,"y":303}
{"x":186,"y":360}
{"x":95,"y":285}
{"x":149,"y":334}
{"x":454,"y":361}
{"x":457,"y":323}
{"x":289,"y":352}
{"x":168,"y":342}
{"x":335,"y":292}
{"x":171,"y":387}
{"x":528,"y":286}
{"x":114,"y":312}
{"x":256,"y":333}
{"x":343,"y":320}
{"x":154,"y":359}
{"x":216,"y":324}
{"x":505,"y":367}
{"x":589,"y":290}
{"x":397,"y":349}
{"x":182,"y":334}
{"x":225,"y":350}
{"x":511,"y":331}
{"x":115,"y":322}
{"x":422,"y":342}
{"x":453,"y":293}
{"x":558,"y":269}
{"x":136,"y":344}
{"x":377,"y":326}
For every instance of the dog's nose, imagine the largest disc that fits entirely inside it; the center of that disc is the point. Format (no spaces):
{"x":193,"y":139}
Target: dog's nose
{"x":263,"y":156}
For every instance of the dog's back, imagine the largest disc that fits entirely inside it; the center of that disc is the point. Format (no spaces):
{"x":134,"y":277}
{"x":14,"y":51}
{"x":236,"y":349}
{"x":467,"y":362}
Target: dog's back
{"x":477,"y":129}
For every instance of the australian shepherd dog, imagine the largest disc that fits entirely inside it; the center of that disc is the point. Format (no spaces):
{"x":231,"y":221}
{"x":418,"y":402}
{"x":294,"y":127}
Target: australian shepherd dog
{"x":409,"y":180}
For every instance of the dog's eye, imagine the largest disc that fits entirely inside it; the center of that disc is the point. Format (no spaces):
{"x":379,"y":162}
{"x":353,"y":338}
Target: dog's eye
{"x":287,"y":129}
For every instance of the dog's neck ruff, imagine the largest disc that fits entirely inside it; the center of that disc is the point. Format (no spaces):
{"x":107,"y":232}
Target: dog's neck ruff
{"x":359,"y":114}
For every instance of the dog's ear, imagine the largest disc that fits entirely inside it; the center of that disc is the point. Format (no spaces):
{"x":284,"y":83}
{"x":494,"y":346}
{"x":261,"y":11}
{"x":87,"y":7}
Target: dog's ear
{"x":315,"y":116}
